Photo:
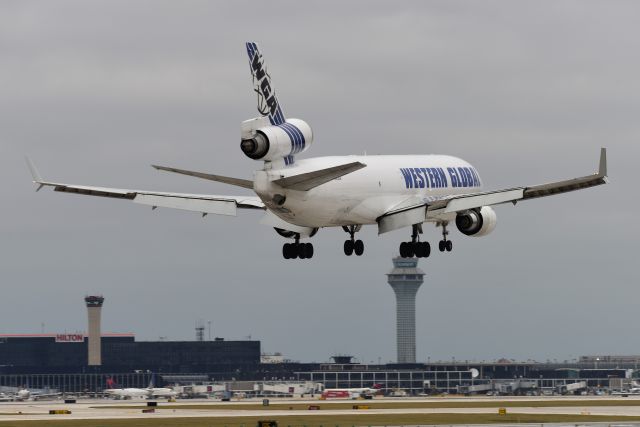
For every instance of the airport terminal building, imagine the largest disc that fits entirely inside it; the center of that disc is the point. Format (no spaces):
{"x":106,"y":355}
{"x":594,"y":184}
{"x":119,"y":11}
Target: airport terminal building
{"x":59,"y":361}
{"x":121,"y":353}
{"x":81,"y":362}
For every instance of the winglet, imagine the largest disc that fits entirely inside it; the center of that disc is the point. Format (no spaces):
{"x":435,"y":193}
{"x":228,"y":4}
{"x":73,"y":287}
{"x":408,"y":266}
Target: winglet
{"x":37,"y":179}
{"x":602,"y":170}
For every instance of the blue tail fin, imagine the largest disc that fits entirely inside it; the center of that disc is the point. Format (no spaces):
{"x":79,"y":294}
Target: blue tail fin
{"x":268,"y":104}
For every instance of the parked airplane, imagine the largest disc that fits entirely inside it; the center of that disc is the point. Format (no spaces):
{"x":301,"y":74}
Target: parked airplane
{"x":351,"y":393}
{"x":127,"y":393}
{"x":300,"y":196}
{"x":142,"y":393}
{"x":633,"y":390}
{"x":13,"y":394}
{"x":150,"y":392}
{"x":156,"y":392}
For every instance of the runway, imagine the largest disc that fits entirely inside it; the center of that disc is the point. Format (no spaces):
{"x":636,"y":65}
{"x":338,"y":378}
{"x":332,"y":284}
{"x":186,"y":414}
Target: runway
{"x":104,"y":409}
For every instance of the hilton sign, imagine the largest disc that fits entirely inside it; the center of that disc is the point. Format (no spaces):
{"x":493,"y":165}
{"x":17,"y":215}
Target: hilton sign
{"x":69,"y":338}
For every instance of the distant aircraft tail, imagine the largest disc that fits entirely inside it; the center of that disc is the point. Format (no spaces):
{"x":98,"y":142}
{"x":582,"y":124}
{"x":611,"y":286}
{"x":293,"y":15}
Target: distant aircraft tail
{"x":268,"y":104}
{"x":110,"y":383}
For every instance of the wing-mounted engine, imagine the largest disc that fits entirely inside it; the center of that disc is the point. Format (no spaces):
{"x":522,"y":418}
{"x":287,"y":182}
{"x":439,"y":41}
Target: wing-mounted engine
{"x":263,"y":141}
{"x":477,"y":222}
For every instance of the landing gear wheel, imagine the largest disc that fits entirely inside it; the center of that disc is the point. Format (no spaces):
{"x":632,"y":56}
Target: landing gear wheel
{"x":290,"y":250}
{"x":302,"y":250}
{"x":421,"y":249}
{"x":348,"y":247}
{"x":352,"y":245}
{"x":445,"y":244}
{"x":358,"y":247}
{"x":416,"y":249}
{"x":309,"y":249}
{"x":425,"y":249}
{"x":297,"y":249}
{"x":406,"y":251}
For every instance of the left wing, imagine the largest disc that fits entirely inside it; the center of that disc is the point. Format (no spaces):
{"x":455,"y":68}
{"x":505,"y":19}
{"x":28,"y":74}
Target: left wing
{"x":203,"y":203}
{"x":432,"y":209}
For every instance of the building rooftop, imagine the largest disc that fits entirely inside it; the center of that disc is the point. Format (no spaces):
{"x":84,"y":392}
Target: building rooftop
{"x":94,"y":300}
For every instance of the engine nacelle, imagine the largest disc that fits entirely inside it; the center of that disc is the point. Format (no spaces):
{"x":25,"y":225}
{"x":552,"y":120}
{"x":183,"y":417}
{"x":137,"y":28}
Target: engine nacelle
{"x":263,"y":141}
{"x":477,"y":222}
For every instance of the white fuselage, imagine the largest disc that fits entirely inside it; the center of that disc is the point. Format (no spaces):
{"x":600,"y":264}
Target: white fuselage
{"x":162,"y":392}
{"x":387,"y":182}
{"x":127,"y":393}
{"x":141,"y":392}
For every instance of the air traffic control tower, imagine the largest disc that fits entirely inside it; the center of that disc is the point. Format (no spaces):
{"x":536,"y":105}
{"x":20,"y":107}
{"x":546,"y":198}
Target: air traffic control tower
{"x":405,"y":279}
{"x":94,"y":310}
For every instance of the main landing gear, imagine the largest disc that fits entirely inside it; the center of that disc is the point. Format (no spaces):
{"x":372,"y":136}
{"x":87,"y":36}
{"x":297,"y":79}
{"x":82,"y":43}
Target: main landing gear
{"x":415,"y":247}
{"x":297,"y":249}
{"x":445,"y":244}
{"x":353,"y":246}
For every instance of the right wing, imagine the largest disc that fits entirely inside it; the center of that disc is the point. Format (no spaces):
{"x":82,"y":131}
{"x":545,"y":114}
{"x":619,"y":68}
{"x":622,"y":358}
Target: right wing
{"x":203,"y":203}
{"x":414,"y":211}
{"x":475,"y":200}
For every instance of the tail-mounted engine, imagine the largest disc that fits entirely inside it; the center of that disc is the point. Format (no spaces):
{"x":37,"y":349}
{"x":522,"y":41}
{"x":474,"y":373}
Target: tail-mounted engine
{"x":263,"y":141}
{"x":477,"y":222}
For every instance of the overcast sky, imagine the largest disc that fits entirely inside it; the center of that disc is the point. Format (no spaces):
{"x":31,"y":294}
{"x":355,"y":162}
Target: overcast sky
{"x":96,"y":91}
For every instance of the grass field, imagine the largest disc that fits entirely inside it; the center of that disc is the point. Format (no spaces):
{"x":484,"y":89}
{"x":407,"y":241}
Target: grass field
{"x":327,"y":420}
{"x":403,"y":404}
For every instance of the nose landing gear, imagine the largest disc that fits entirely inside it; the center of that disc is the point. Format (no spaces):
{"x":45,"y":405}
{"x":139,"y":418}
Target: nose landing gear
{"x":353,"y":246}
{"x":415,"y":247}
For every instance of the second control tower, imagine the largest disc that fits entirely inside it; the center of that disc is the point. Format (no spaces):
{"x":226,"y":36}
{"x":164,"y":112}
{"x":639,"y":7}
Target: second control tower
{"x":405,"y":279}
{"x":94,"y":309}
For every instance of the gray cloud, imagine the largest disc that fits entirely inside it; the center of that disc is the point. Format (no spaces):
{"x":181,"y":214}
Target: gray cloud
{"x":96,"y":91}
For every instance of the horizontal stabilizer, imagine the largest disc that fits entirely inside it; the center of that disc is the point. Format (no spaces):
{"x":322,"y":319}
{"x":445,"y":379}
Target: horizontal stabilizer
{"x":307,"y":181}
{"x":245,"y":183}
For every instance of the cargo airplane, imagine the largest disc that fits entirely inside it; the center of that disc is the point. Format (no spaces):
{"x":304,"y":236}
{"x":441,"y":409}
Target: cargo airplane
{"x":300,"y":196}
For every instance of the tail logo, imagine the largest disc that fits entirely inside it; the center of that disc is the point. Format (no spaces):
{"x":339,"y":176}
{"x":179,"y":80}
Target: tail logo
{"x":268,"y":104}
{"x":267,"y":101}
